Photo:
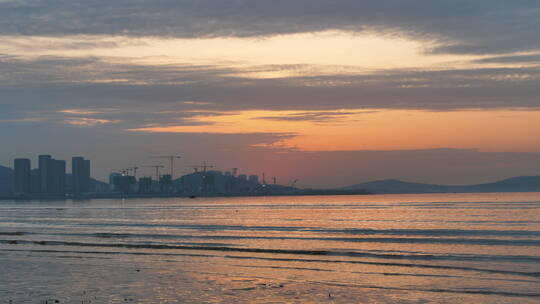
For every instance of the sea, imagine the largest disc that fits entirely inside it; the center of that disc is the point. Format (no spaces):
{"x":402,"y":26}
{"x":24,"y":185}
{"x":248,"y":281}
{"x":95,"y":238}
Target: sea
{"x":414,"y":248}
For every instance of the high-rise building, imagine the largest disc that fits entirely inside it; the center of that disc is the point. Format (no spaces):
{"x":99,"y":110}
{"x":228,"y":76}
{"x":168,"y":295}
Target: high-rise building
{"x":77,"y":173}
{"x":45,"y":173}
{"x":112,"y":177}
{"x":58,"y":177}
{"x":87,"y":175}
{"x":145,"y":185}
{"x":253,"y":179}
{"x":22,"y":175}
{"x":35,"y":181}
{"x":80,"y":171}
{"x":52,"y":175}
{"x":124,"y":183}
{"x":242,"y":183}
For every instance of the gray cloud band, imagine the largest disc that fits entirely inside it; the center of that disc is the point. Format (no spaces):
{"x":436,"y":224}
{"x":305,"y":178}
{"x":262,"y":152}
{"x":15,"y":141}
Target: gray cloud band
{"x":461,"y":26}
{"x":54,"y":83}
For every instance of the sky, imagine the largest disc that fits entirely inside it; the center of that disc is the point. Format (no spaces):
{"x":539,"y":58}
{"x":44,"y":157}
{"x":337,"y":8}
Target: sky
{"x":329,"y":92}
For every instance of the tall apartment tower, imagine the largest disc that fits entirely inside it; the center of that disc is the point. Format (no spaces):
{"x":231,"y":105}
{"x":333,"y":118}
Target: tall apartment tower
{"x":35,"y":181}
{"x":58,"y":177}
{"x":80,"y":170}
{"x":52,"y":175}
{"x":45,"y":172}
{"x":22,"y":175}
{"x":87,"y":175}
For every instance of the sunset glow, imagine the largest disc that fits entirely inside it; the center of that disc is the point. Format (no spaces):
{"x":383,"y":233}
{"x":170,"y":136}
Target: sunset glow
{"x":377,"y":130}
{"x":355,"y":51}
{"x":260,"y":78}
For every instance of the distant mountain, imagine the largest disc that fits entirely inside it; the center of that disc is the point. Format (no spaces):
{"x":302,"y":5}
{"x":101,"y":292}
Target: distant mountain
{"x":6,"y":180}
{"x":515,"y":184}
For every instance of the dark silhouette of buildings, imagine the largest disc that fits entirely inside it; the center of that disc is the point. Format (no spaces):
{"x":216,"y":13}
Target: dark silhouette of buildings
{"x":145,"y":185}
{"x":254,"y":179}
{"x":58,"y":177}
{"x":35,"y":181}
{"x":44,"y":173}
{"x":49,"y":179}
{"x":166,"y":184}
{"x":216,"y":182}
{"x":80,"y":169}
{"x":52,"y":174}
{"x":123,"y":183}
{"x":22,"y":176}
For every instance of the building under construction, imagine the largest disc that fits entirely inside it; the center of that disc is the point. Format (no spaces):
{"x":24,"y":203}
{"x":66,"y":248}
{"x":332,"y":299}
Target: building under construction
{"x":216,"y":182}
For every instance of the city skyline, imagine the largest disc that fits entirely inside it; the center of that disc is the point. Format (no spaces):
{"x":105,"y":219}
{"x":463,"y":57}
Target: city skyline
{"x":443,"y":92}
{"x":50,"y":180}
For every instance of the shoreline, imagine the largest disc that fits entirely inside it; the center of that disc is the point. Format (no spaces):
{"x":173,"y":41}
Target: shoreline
{"x":188,"y":196}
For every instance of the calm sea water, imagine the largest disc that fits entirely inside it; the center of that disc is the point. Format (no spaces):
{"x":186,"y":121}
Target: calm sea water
{"x":451,"y":248}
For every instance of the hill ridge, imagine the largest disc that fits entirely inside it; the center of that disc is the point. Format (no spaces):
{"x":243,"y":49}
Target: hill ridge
{"x":513,"y":184}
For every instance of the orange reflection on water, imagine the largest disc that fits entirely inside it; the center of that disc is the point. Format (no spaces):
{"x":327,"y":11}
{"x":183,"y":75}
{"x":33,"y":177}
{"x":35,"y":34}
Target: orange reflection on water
{"x":440,"y":248}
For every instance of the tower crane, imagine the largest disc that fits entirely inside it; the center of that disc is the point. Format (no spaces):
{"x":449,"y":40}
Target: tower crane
{"x":203,"y":167}
{"x":134,"y":169}
{"x":171,"y":158}
{"x":157,"y":167}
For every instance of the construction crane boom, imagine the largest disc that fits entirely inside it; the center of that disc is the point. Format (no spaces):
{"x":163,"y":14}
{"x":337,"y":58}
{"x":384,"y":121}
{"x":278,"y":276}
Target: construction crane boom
{"x":171,"y":158}
{"x":157,"y":167}
{"x":134,"y":169}
{"x":204,"y":166}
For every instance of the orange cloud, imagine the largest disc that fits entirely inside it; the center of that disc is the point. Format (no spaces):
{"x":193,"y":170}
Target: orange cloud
{"x":506,"y":130}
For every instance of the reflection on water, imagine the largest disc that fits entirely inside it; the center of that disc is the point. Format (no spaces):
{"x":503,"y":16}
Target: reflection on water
{"x":481,"y":248}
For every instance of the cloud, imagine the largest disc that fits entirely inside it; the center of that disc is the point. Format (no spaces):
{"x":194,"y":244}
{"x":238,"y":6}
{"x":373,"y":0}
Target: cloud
{"x":170,"y":93}
{"x":318,"y":116}
{"x":461,"y":26}
{"x":73,"y":117}
{"x":523,"y":59}
{"x":80,"y":112}
{"x":88,"y":122}
{"x":78,"y":42}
